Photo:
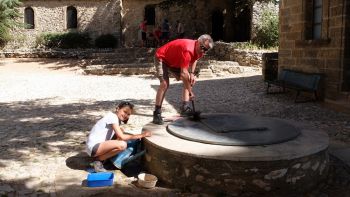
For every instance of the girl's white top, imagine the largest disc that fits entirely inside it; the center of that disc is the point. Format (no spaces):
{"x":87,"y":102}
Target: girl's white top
{"x":102,"y":131}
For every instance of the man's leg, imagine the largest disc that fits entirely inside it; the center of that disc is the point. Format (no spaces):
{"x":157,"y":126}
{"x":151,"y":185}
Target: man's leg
{"x":186,"y":109}
{"x":162,"y":74}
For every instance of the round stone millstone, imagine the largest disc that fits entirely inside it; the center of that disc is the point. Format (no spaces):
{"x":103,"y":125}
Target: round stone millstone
{"x":232,"y":129}
{"x":291,"y":167}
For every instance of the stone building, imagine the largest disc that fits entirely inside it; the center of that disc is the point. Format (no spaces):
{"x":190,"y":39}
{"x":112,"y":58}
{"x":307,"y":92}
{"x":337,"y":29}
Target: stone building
{"x":222,"y":19}
{"x":315,"y":38}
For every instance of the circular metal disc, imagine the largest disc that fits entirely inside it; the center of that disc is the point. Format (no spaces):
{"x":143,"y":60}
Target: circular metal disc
{"x":233,"y":129}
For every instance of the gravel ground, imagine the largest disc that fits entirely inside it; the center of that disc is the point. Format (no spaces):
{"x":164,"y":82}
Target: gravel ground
{"x":47,"y":108}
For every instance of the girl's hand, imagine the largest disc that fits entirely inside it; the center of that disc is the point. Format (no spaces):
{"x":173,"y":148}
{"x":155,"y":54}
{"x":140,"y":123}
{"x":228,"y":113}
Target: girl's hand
{"x":147,"y":134}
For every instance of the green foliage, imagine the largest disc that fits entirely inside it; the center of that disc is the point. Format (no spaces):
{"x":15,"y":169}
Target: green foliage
{"x":267,"y":30}
{"x":240,"y":5}
{"x":246,"y":45}
{"x":106,"y":41}
{"x":64,"y":40}
{"x":253,"y":46}
{"x":169,"y":3}
{"x":8,"y":14}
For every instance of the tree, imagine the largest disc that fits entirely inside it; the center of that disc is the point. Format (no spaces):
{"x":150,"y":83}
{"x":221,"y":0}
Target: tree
{"x":8,"y":14}
{"x":240,"y":5}
{"x":267,"y":30}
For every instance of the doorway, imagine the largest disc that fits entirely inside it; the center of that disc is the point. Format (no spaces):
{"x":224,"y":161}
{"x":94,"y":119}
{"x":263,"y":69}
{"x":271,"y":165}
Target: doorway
{"x":242,"y":25}
{"x":150,"y":15}
{"x":217,"y":28}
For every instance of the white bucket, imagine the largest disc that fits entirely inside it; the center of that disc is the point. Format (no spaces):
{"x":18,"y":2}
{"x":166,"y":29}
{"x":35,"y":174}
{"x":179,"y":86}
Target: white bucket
{"x":147,"y":180}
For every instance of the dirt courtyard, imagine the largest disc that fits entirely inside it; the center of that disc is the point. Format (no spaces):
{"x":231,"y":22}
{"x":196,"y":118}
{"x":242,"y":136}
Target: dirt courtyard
{"x":48,"y":106}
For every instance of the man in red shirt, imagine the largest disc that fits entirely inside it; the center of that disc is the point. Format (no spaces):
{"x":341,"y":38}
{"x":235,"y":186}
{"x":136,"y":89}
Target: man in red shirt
{"x":179,"y":57}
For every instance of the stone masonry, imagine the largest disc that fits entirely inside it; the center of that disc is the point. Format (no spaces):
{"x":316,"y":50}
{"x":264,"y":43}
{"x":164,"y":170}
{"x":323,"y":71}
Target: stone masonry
{"x":95,"y":17}
{"x":326,"y":55}
{"x":122,"y":18}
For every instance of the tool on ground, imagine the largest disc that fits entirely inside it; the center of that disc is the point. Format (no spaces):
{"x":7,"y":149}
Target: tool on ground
{"x":196,"y":114}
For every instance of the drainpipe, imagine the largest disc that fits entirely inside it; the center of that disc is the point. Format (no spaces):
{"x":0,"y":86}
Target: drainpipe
{"x":342,"y":50}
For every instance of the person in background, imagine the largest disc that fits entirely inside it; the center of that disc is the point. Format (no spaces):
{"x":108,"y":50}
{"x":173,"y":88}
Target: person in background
{"x":143,"y":28}
{"x":165,"y":31}
{"x":180,"y":31}
{"x":157,"y":33}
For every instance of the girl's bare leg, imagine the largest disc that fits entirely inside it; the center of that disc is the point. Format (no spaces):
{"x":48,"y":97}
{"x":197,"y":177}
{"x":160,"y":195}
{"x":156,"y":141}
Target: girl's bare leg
{"x":110,"y":148}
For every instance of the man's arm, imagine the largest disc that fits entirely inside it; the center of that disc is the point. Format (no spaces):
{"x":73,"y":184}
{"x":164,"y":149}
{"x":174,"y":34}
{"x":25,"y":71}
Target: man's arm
{"x":192,"y":69}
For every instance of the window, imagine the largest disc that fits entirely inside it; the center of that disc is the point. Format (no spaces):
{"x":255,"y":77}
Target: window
{"x":317,"y":19}
{"x":29,"y":18}
{"x":72,"y":21}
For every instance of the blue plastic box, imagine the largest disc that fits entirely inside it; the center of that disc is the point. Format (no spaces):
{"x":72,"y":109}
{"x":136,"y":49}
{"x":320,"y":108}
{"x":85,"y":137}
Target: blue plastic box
{"x":100,"y":179}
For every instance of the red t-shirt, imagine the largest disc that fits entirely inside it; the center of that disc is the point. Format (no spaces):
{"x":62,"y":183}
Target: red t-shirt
{"x":178,"y":53}
{"x":157,"y":33}
{"x":143,"y":26}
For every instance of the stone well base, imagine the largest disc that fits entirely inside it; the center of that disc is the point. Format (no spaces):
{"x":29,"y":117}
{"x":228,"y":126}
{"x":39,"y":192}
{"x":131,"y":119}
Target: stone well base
{"x":291,"y":167}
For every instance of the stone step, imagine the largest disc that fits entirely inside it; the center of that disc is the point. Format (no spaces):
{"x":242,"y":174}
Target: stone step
{"x":341,"y":105}
{"x":205,"y":73}
{"x":135,"y":50}
{"x":122,"y":60}
{"x":345,"y":96}
{"x":120,"y":55}
{"x":125,"y":52}
{"x":207,"y":69}
{"x":221,"y":67}
{"x":125,"y":69}
{"x":343,"y":154}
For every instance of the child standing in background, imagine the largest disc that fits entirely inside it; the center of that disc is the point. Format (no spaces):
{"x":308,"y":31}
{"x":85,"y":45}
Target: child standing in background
{"x":143,"y":28}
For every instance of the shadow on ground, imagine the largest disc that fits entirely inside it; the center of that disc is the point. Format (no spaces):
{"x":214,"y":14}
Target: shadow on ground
{"x":247,"y":95}
{"x":38,"y":125}
{"x":58,"y":63}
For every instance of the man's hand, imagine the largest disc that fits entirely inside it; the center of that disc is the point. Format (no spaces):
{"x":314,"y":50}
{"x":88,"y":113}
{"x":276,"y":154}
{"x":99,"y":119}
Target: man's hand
{"x":192,"y":79}
{"x":192,"y":96}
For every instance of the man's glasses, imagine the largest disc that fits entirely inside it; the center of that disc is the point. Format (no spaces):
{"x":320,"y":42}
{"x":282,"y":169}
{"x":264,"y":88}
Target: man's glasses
{"x":203,"y":48}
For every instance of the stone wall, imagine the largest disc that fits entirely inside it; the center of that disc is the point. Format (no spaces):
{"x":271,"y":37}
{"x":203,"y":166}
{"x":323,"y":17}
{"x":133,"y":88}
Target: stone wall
{"x":122,"y":18}
{"x":132,"y":14}
{"x":95,"y":17}
{"x":229,"y":52}
{"x":325,"y":55}
{"x":195,"y":15}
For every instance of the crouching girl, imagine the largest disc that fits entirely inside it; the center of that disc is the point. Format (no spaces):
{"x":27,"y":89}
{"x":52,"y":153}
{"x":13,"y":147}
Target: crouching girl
{"x":100,"y":144}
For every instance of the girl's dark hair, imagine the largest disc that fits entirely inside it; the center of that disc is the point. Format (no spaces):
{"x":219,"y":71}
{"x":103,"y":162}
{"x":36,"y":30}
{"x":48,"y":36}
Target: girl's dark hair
{"x":124,"y":104}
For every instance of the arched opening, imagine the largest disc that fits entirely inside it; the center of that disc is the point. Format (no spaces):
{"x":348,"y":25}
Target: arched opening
{"x":150,"y":15}
{"x":241,"y":24}
{"x":72,"y":18}
{"x":29,"y":18}
{"x":217,"y":27}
